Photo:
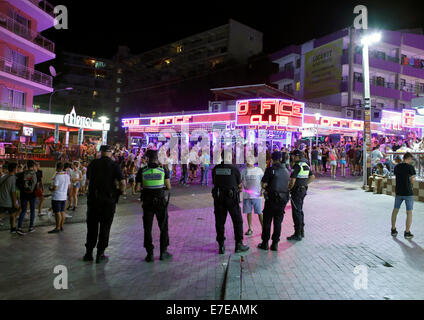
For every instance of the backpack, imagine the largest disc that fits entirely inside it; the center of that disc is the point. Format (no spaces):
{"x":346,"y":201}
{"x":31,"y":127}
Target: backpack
{"x":28,"y":181}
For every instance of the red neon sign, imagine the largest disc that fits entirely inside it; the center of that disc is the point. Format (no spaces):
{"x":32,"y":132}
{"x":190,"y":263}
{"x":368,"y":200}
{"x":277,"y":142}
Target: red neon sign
{"x":408,"y":118}
{"x":130,"y":122}
{"x":270,"y":112}
{"x":341,"y":123}
{"x":159,"y":121}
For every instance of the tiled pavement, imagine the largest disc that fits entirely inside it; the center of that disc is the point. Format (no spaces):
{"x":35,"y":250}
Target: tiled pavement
{"x":345,"y":227}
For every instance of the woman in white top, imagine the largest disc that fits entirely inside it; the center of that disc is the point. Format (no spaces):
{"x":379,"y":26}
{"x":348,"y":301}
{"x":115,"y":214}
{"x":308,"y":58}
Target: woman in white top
{"x":76,"y":178}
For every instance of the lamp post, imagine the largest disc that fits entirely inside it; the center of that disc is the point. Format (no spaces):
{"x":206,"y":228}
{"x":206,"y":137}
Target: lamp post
{"x":104,"y":119}
{"x":51,"y":95}
{"x":367,"y":40}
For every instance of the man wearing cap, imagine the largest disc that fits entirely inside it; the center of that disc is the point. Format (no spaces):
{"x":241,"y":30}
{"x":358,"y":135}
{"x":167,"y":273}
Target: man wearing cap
{"x":301,"y":177}
{"x":102,"y":177}
{"x":275,"y":182}
{"x":154,"y":180}
{"x":226,"y":194}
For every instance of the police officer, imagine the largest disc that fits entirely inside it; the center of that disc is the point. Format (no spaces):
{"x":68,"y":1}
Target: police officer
{"x":300,"y":178}
{"x":102,"y":177}
{"x":275,"y":182}
{"x":154,"y":180}
{"x":226,"y":194}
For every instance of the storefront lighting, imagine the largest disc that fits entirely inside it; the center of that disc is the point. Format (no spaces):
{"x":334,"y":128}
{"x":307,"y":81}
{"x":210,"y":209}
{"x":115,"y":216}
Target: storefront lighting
{"x":317,"y":116}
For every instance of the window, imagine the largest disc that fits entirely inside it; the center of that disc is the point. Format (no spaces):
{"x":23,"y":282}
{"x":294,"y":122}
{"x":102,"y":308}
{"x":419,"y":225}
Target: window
{"x":99,"y":64}
{"x":402,"y":83}
{"x":251,"y":38}
{"x":118,"y":100}
{"x":16,"y":58}
{"x":298,"y":63}
{"x":115,"y":129}
{"x":119,"y":71}
{"x":117,"y":109}
{"x":95,"y":93}
{"x":16,"y":98}
{"x":288,"y":88}
{"x":288,"y":66}
{"x":116,"y":119}
{"x":118,"y":90}
{"x":179,"y":49}
{"x":119,"y":80}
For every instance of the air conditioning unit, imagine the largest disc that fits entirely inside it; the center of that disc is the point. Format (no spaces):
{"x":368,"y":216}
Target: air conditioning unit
{"x":375,"y":115}
{"x":216,"y":106}
{"x":348,"y":113}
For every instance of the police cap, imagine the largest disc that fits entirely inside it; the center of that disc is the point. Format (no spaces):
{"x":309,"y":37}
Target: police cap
{"x":297,"y":153}
{"x":152,"y":155}
{"x":276,"y":156}
{"x":106,"y":148}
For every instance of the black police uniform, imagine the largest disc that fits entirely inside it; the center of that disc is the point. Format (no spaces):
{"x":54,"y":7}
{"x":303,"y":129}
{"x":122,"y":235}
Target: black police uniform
{"x":226,"y":179}
{"x":154,"y":203}
{"x":276,"y":198}
{"x":298,"y":194}
{"x":102,"y":197}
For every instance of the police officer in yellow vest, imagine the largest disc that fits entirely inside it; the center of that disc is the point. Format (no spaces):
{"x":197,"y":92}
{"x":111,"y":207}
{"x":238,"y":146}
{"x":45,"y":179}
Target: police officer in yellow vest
{"x":301,"y":176}
{"x":154,"y":180}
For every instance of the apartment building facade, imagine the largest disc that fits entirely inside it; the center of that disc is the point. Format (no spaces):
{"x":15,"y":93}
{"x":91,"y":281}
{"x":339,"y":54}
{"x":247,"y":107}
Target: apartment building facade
{"x":329,"y":70}
{"x":21,"y":48}
{"x":178,"y":76}
{"x":84,"y":82}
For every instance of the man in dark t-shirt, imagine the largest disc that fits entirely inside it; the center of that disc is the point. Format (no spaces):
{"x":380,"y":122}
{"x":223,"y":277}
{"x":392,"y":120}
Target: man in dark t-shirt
{"x":405,"y":178}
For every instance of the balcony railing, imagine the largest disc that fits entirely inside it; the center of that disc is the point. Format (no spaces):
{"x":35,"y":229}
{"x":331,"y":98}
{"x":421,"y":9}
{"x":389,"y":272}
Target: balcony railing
{"x":19,"y":29}
{"x":10,"y":107}
{"x":25,"y":72}
{"x":44,"y":5}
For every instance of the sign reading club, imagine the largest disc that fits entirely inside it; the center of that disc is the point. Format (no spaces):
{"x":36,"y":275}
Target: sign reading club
{"x":270,"y":112}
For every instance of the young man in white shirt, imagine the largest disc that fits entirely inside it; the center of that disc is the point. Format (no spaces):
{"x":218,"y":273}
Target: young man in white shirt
{"x":61,"y":182}
{"x":252,"y":200}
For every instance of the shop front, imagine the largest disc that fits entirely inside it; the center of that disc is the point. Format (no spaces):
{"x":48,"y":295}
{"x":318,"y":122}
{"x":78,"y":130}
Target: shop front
{"x":26,"y":135}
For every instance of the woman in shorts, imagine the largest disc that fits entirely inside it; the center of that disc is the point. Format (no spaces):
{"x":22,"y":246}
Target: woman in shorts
{"x":132,"y":171}
{"x":342,"y":160}
{"x":76,"y":178}
{"x":333,"y":163}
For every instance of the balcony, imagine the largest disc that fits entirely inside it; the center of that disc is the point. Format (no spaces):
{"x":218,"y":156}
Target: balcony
{"x":21,"y":75}
{"x":41,"y":10}
{"x":413,"y":72}
{"x":284,"y":74}
{"x":387,"y":63}
{"x":42,"y":48}
{"x":386,"y":89}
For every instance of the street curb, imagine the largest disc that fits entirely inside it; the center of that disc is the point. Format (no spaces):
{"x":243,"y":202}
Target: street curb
{"x":232,"y":282}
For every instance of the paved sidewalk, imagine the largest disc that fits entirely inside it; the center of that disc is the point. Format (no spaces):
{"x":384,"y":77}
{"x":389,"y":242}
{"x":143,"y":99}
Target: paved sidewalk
{"x":345,"y":227}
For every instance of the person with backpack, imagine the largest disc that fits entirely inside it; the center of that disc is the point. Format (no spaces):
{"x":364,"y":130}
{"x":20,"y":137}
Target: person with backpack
{"x":27,"y":182}
{"x":8,"y":201}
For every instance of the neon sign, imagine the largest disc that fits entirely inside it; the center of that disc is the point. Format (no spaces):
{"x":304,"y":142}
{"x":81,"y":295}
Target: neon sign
{"x":408,"y":118}
{"x":130,"y":122}
{"x":341,"y":123}
{"x":270,"y":112}
{"x":391,"y":121}
{"x":159,"y":121}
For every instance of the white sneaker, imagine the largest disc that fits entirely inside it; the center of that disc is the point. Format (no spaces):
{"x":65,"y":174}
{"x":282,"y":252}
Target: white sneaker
{"x":68,"y":216}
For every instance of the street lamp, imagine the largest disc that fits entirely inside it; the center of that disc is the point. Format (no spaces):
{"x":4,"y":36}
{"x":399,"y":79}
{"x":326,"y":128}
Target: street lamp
{"x":104,"y":119}
{"x":366,"y":41}
{"x":51,"y":95}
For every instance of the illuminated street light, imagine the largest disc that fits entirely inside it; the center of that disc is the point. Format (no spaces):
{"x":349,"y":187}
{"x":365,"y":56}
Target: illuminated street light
{"x":367,"y":40}
{"x":370,"y":39}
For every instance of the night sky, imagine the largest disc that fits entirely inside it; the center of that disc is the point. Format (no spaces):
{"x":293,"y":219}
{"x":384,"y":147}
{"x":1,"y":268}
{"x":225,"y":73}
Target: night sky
{"x":98,"y":27}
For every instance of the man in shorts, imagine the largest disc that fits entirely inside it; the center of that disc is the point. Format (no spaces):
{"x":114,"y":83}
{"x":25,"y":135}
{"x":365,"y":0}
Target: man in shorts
{"x":8,"y":199}
{"x":61,"y":182}
{"x":405,"y":178}
{"x":251,"y":179}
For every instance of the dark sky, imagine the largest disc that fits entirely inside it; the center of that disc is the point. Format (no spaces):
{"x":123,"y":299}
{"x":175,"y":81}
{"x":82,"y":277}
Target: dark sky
{"x":98,"y":27}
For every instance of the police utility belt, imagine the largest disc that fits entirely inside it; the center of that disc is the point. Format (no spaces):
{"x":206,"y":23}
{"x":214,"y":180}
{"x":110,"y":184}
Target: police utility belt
{"x":219,"y":193}
{"x":275,"y":196}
